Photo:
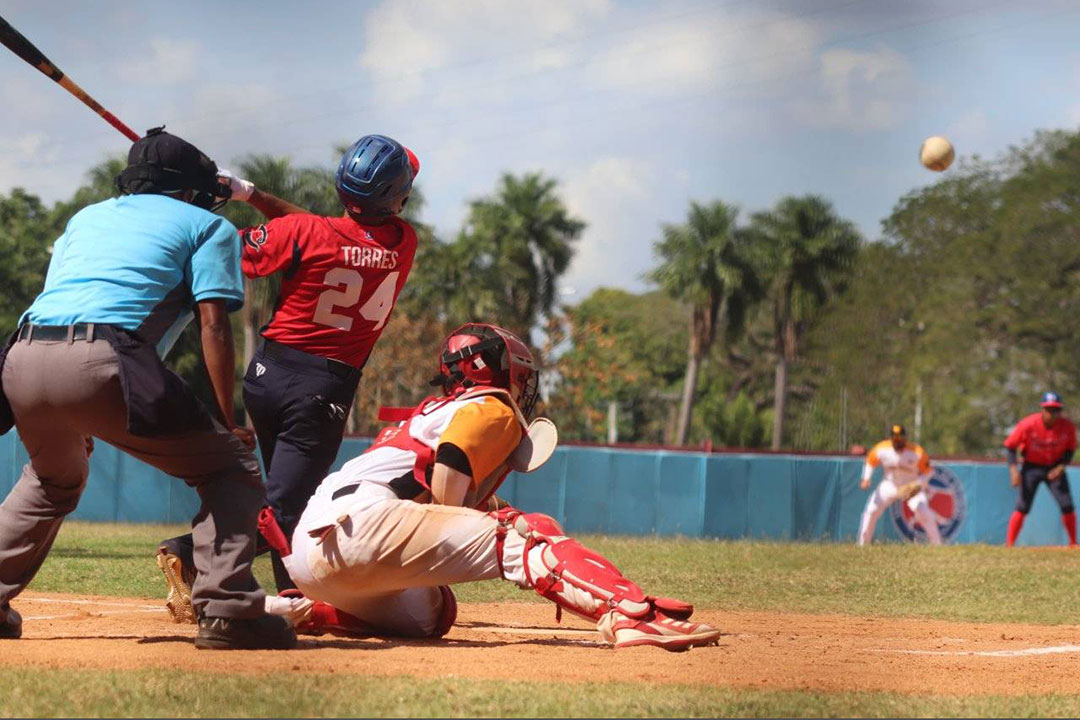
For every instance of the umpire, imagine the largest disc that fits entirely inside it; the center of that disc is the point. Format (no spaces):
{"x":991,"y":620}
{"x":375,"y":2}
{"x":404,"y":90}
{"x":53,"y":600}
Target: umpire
{"x":1047,"y":441}
{"x":125,"y":278}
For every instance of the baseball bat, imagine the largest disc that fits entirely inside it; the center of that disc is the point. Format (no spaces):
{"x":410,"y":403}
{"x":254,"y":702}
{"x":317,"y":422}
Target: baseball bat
{"x":14,"y":41}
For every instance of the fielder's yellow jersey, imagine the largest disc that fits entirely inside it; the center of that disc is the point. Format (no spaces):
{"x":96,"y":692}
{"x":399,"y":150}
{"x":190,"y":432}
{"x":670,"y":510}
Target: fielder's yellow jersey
{"x":900,"y":467}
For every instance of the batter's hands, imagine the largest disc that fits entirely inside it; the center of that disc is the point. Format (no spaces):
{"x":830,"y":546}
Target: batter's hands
{"x":864,"y":484}
{"x":246,"y":435}
{"x":1055,"y":472}
{"x":1014,"y":476}
{"x":241,"y":189}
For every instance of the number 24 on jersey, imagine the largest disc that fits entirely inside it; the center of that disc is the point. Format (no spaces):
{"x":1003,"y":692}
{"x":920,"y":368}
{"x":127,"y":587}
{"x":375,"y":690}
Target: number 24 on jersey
{"x":347,"y":287}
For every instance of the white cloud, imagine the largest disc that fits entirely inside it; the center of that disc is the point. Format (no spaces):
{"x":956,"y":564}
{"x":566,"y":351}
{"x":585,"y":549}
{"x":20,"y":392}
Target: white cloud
{"x":614,"y":250}
{"x":861,"y":90}
{"x":29,"y":161}
{"x":733,"y":50}
{"x":403,"y":42}
{"x":170,"y":62}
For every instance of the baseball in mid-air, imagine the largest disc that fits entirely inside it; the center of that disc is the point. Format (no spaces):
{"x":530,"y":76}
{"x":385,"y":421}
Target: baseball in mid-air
{"x":936,"y":153}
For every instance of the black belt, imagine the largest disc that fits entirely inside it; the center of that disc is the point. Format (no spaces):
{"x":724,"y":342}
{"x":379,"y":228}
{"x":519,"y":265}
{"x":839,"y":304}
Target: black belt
{"x":404,"y":493}
{"x":343,"y":491}
{"x":69,"y":333}
{"x":293,"y":356}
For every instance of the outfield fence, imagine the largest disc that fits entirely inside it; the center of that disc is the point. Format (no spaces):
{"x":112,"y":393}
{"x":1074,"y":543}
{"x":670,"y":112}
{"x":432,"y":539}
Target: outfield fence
{"x":624,"y":491}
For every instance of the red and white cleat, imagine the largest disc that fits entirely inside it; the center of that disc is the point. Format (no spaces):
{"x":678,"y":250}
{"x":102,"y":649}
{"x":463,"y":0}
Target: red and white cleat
{"x":656,"y":629}
{"x":327,"y":619}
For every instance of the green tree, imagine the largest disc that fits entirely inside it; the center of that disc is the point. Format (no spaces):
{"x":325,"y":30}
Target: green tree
{"x":808,"y":253}
{"x":514,"y":247}
{"x":706,"y":263}
{"x":620,"y":348}
{"x":27,"y":232}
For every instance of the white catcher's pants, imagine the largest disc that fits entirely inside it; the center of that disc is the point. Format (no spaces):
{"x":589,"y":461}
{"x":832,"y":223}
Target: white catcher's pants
{"x":884,"y":496}
{"x":384,"y":563}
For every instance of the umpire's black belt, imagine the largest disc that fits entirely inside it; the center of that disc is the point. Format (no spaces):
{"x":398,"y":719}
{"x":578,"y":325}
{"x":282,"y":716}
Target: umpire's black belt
{"x":299,"y":358}
{"x":54,"y":333}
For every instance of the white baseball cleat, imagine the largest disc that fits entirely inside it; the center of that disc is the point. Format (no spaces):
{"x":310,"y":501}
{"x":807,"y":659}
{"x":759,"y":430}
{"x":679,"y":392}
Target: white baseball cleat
{"x":658,"y":630}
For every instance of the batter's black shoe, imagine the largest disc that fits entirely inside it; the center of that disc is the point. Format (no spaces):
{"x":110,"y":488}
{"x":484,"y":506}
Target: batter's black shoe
{"x":10,"y":624}
{"x":268,"y":632}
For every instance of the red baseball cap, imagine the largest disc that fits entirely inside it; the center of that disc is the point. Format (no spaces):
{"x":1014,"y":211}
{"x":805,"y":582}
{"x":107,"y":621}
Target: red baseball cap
{"x":1051,"y":400}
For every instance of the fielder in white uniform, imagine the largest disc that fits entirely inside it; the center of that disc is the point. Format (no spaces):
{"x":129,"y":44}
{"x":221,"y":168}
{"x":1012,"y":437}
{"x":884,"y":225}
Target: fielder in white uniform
{"x":383,"y":539}
{"x":906,"y":468}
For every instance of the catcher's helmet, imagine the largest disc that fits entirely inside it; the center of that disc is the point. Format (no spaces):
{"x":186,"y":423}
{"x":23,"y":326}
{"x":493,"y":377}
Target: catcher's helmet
{"x":164,"y":164}
{"x":482,"y":354}
{"x":375,"y":177}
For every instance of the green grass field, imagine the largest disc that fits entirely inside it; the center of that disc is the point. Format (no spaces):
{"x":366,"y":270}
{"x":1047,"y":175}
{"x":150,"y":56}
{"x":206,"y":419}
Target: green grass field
{"x":972,"y":583}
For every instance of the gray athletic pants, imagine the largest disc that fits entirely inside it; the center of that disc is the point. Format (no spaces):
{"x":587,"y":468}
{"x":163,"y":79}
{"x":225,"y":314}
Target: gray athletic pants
{"x":63,"y":392}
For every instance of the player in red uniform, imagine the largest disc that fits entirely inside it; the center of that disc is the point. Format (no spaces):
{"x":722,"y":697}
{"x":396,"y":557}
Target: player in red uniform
{"x":341,"y":277}
{"x":1047,"y":441}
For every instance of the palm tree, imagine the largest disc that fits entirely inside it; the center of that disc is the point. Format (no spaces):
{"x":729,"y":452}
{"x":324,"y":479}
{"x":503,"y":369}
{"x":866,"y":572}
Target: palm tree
{"x":518,"y":243}
{"x":809,"y":252}
{"x":707,"y":264}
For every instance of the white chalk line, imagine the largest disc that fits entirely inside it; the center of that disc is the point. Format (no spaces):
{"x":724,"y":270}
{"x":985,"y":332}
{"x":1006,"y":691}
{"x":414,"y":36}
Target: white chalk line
{"x":94,"y":614}
{"x":91,"y":602}
{"x":1020,"y":652}
{"x":562,"y":632}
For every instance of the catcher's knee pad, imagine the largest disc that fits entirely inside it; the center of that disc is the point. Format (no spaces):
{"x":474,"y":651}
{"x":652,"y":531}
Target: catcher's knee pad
{"x":566,"y":572}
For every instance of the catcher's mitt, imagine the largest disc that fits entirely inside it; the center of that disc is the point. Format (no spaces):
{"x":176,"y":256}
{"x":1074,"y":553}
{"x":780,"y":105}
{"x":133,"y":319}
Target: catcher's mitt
{"x":908,"y":490}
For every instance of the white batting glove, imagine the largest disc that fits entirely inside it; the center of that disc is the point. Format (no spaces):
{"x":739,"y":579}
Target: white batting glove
{"x":295,"y":610}
{"x":241,"y":189}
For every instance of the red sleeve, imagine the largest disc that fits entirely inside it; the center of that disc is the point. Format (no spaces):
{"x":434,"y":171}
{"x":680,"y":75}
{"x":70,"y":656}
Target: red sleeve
{"x":1016,"y":437}
{"x":1072,"y":437}
{"x":272,"y":247}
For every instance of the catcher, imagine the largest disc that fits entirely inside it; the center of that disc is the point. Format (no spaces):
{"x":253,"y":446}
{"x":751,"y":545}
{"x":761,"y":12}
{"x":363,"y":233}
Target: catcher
{"x":382,"y":540}
{"x":907,"y":470}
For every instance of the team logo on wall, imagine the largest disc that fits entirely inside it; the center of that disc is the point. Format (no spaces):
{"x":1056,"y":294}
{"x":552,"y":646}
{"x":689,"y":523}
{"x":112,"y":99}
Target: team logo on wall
{"x":946,"y":496}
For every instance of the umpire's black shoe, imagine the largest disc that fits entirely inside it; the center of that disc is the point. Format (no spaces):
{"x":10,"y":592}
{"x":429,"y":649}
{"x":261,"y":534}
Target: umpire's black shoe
{"x":267,"y":632}
{"x":10,"y":624}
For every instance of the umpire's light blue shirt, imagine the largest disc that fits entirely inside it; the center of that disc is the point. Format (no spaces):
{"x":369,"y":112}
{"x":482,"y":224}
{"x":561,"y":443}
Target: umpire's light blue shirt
{"x":140,"y":262}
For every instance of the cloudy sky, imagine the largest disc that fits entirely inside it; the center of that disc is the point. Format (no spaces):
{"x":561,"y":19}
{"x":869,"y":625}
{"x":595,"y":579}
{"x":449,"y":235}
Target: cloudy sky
{"x":636,"y":107}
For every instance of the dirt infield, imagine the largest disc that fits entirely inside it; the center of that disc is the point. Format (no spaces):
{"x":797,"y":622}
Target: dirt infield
{"x":516,"y":641}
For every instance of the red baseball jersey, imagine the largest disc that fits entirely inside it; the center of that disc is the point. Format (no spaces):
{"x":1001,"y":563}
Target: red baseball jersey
{"x":1039,"y":444}
{"x":341,"y":280}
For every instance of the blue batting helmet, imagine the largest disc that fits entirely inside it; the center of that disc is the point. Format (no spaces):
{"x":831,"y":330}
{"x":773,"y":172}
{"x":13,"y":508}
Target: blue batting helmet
{"x":375,"y":177}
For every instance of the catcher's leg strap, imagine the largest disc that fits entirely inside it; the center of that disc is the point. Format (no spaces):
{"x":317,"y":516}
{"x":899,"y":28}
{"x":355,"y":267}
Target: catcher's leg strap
{"x":536,"y":554}
{"x":272,"y":532}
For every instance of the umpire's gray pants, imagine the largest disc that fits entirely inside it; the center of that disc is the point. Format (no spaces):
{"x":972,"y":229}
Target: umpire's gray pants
{"x":63,"y":392}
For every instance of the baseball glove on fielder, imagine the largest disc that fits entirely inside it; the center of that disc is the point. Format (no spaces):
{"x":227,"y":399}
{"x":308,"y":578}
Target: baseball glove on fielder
{"x":908,"y":490}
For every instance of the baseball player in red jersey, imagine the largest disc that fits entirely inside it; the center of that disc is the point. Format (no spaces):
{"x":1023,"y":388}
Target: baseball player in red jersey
{"x":1047,"y":441}
{"x":341,"y":277}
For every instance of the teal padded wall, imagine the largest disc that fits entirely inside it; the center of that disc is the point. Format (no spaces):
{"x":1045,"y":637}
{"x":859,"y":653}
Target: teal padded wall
{"x":630,"y":492}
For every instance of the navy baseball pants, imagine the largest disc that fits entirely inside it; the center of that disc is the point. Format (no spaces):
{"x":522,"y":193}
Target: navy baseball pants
{"x":298,"y":404}
{"x":1031,"y":477}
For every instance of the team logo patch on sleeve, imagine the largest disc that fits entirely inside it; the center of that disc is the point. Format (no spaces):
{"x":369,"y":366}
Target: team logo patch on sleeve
{"x":945,"y":494}
{"x":255,"y":237}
